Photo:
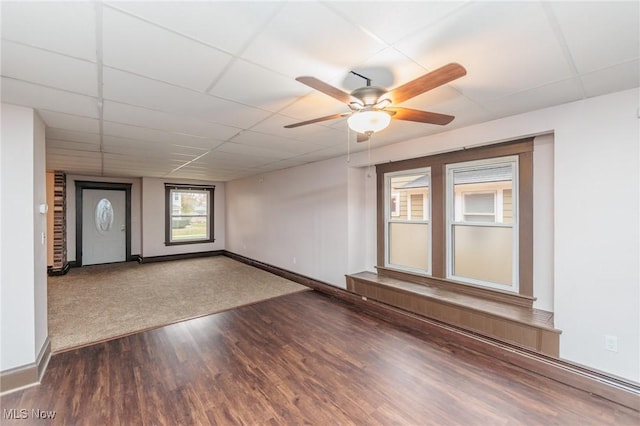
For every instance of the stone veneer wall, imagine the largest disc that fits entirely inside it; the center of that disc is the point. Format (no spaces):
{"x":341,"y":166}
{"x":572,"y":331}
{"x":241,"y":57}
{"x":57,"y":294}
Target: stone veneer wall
{"x":59,"y":221}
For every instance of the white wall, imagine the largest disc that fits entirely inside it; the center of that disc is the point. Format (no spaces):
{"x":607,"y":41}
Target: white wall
{"x":40,"y":236}
{"x":294,"y":218}
{"x":136,"y":211}
{"x":23,"y":262}
{"x":153,"y":216}
{"x":590,"y":226}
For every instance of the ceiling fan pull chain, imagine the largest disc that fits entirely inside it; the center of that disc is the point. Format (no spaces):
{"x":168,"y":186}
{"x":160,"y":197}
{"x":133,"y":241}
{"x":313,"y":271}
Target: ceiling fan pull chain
{"x":369,"y":155}
{"x":348,"y":145}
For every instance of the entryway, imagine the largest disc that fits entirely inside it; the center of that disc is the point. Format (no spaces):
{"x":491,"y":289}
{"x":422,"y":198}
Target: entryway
{"x":103,"y":222}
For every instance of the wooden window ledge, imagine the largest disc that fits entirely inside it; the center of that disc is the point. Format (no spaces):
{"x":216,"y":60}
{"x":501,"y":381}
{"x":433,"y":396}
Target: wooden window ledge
{"x":520,"y":325}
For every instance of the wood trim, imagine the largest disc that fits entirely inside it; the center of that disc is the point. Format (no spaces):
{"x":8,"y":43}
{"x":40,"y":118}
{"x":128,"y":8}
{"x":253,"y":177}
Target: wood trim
{"x":438,"y":215}
{"x":167,"y":257}
{"x":598,"y":383}
{"x":112,"y":186}
{"x":167,"y":212}
{"x":470,"y":289}
{"x":503,"y":149}
{"x":521,"y":147}
{"x":28,"y":375}
{"x":380,"y":228}
{"x":516,"y":325}
{"x":525,"y":223}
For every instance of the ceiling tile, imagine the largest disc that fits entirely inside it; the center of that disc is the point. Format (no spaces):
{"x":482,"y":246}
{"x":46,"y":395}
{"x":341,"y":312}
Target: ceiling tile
{"x":50,"y":69}
{"x":151,"y":149}
{"x":134,"y":45}
{"x":75,"y":154}
{"x":138,"y":116}
{"x":236,"y":148}
{"x":282,"y":164}
{"x":64,"y":27}
{"x":307,"y":38}
{"x":139,"y":91}
{"x":387,"y":69}
{"x":613,"y":79}
{"x":601,"y":34}
{"x":53,"y":143}
{"x":225,"y":160}
{"x":254,"y":85}
{"x":73,"y":136}
{"x":157,"y":136}
{"x":530,"y":100}
{"x":223,"y":24}
{"x":263,"y":140}
{"x":68,"y":121}
{"x":329,"y":136}
{"x":391,"y":21}
{"x":36,"y":96}
{"x":496,"y":65}
{"x":312,"y":106}
{"x":324,"y":154}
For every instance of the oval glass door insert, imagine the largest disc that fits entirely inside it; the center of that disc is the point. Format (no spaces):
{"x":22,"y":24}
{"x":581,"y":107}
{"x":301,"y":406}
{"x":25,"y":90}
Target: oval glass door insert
{"x":104,"y":216}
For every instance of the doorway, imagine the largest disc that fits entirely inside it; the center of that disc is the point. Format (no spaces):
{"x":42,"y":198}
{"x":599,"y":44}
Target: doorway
{"x":103,"y":222}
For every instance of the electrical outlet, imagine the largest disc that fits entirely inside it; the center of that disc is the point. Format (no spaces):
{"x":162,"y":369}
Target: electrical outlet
{"x":611,"y":343}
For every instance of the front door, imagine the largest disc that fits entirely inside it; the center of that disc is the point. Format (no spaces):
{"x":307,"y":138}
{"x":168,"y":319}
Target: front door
{"x":103,"y":226}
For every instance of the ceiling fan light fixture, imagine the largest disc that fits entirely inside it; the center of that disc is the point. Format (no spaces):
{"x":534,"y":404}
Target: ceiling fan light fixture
{"x":367,"y":122}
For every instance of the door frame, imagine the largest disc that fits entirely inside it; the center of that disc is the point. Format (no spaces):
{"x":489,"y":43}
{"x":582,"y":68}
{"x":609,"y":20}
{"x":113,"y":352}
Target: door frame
{"x":111,"y":186}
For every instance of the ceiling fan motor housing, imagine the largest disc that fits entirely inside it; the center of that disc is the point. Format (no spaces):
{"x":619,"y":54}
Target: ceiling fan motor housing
{"x":369,"y":95}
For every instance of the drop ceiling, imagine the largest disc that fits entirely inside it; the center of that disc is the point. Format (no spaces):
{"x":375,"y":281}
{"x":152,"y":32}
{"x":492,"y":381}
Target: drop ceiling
{"x":202,"y":90}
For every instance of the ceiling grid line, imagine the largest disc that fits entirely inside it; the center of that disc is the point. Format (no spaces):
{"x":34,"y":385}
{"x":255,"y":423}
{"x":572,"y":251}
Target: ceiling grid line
{"x":555,"y":26}
{"x":99,"y":50}
{"x":238,"y":56}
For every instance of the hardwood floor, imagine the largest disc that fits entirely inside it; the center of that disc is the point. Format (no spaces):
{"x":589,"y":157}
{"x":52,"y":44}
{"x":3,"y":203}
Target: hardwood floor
{"x":304,"y":358}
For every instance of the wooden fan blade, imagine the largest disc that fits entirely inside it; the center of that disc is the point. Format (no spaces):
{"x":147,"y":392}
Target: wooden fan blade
{"x":361,"y":137}
{"x":326,"y":88}
{"x":409,"y":114}
{"x":442,"y":75}
{"x":317,"y":120}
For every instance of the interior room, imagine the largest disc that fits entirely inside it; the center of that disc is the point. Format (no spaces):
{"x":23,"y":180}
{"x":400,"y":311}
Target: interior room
{"x":430,"y":183}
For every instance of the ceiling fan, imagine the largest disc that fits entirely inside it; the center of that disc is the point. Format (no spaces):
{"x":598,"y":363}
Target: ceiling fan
{"x":371,"y":106}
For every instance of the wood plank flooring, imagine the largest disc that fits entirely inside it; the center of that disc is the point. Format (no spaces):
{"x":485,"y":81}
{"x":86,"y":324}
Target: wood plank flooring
{"x":299,"y":359}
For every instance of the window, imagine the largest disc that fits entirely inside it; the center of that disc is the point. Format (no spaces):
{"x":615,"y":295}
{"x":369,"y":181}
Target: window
{"x":189,"y":214}
{"x":479,"y":206}
{"x":395,"y":204}
{"x":462,"y":218}
{"x":482,"y":231}
{"x":407,"y":221}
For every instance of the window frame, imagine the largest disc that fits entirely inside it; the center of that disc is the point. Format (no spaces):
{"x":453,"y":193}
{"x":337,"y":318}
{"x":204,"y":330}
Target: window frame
{"x":170,"y":191}
{"x":523,"y":149}
{"x":389,"y":218}
{"x":451,"y":220}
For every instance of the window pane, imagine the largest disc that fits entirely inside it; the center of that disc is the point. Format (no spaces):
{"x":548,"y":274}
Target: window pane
{"x":410,"y":196}
{"x":189,"y":228}
{"x":479,"y":202}
{"x":189,"y":202}
{"x":484,"y":194}
{"x":409,"y":245}
{"x":483,"y":253}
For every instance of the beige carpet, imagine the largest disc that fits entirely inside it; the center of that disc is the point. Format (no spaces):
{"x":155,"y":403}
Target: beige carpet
{"x":99,"y":302}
